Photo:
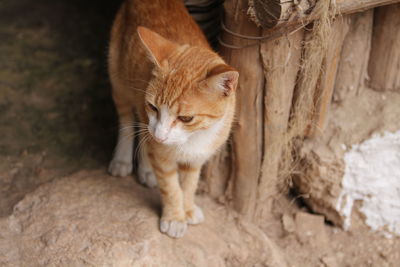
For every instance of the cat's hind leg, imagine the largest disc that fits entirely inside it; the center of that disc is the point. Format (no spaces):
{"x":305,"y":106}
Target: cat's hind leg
{"x":145,"y":171}
{"x":121,"y":164}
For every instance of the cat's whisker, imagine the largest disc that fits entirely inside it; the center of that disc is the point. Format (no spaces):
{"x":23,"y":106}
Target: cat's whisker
{"x":136,"y":134}
{"x":138,"y":129}
{"x":137,"y":123}
{"x":140,"y":145}
{"x":139,"y":134}
{"x":132,"y":127}
{"x":128,"y":127}
{"x":142,"y":130}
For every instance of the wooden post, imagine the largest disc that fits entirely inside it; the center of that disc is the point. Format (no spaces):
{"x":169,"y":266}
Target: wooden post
{"x":327,"y":79}
{"x":268,"y":76}
{"x":352,"y":71}
{"x":247,"y":132}
{"x":384,"y":63}
{"x":281,"y":61}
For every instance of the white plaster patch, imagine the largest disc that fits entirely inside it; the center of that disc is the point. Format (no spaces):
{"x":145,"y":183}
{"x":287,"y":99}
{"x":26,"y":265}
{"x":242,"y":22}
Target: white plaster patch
{"x":372,"y":175}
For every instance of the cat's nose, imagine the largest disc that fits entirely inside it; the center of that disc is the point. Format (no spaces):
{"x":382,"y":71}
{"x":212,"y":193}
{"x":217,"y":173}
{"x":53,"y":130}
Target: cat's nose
{"x":161,"y":134}
{"x":159,"y":139}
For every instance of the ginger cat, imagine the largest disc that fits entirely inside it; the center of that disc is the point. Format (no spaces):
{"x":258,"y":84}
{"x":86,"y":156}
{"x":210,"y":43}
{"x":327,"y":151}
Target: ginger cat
{"x":179,"y":97}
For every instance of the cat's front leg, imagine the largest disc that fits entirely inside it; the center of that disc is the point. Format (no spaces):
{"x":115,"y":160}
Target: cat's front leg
{"x":121,"y":164}
{"x":173,"y":220}
{"x":190,"y":177}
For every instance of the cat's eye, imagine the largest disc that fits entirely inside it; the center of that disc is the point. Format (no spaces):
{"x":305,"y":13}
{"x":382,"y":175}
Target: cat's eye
{"x":152,"y":107}
{"x":185,"y":119}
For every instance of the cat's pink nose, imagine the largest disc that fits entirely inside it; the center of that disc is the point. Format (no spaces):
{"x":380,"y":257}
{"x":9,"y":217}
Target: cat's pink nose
{"x":159,"y":139}
{"x":161,"y":134}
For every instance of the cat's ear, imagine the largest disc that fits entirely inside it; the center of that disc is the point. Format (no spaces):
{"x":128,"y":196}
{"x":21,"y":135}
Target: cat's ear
{"x":222,"y":78}
{"x":157,"y":46}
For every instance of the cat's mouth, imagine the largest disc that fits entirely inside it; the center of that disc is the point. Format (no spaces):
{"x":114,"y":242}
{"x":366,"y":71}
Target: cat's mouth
{"x":158,"y":140}
{"x":168,"y":141}
{"x":163,"y":136}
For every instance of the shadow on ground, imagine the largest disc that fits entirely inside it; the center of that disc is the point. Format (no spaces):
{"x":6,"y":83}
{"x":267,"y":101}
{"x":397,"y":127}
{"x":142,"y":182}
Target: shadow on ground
{"x":56,"y":113}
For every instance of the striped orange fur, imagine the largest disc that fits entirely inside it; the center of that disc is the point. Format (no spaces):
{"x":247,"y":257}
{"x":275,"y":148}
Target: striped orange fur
{"x":178,"y":95}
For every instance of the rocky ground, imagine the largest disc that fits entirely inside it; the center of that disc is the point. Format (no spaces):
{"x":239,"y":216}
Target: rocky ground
{"x":58,"y":207}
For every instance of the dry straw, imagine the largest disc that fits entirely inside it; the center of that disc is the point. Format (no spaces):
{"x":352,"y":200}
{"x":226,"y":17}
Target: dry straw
{"x":306,"y":94}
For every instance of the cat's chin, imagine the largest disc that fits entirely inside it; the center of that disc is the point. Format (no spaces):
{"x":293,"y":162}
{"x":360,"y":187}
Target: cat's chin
{"x":171,"y":143}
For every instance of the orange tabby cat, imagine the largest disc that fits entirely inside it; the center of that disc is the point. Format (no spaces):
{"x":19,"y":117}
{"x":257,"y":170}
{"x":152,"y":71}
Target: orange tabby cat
{"x":180,"y":93}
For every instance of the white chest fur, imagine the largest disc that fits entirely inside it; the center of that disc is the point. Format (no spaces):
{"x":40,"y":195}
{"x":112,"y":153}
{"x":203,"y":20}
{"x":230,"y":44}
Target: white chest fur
{"x":201,"y":145}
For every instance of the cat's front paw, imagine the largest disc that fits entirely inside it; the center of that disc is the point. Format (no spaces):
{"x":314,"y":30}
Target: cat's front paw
{"x":195,"y":216}
{"x":173,"y":228}
{"x":119,"y":168}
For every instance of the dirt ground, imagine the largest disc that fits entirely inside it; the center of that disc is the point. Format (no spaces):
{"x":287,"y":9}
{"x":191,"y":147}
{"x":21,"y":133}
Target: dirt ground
{"x":57,"y":117}
{"x":56,"y":114}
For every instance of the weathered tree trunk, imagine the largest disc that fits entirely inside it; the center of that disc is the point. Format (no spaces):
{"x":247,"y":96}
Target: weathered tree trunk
{"x":247,"y":134}
{"x":384,"y":64}
{"x":353,"y":62}
{"x":284,"y":93}
{"x":281,"y":61}
{"x":326,"y":83}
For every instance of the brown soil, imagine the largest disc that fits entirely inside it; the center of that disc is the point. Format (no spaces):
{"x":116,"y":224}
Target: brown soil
{"x":57,"y":118}
{"x":56,"y":112}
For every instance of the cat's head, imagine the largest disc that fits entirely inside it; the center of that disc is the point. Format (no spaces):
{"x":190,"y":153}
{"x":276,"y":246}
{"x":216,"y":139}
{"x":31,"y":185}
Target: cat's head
{"x":191,"y":89}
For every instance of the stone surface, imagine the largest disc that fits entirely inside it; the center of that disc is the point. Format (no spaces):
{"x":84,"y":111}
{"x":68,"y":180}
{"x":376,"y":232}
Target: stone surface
{"x":310,"y":229}
{"x":323,"y":164}
{"x":329,"y":261}
{"x":356,"y":113}
{"x":288,"y":223}
{"x":92,"y":219}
